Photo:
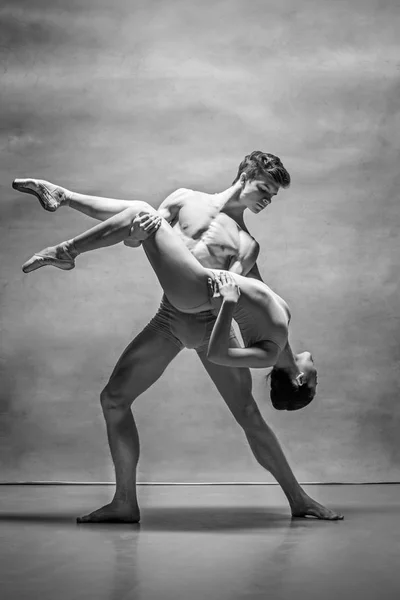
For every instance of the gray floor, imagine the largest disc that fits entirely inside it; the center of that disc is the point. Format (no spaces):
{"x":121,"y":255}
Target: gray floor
{"x":213,"y":542}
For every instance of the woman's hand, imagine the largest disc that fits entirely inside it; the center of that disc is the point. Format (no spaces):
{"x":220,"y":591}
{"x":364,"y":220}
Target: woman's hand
{"x":227,"y":287}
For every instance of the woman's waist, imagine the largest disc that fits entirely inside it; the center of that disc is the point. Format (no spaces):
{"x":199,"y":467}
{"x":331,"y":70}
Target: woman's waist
{"x":261,"y":321}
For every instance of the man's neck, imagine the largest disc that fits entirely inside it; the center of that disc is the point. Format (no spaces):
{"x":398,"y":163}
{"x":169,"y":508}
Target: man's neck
{"x":230,"y":203}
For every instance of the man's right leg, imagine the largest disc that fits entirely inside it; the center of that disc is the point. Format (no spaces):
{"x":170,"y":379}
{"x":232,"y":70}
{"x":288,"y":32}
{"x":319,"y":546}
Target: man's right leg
{"x":235,"y":387}
{"x":52,"y":196}
{"x":141,"y":364}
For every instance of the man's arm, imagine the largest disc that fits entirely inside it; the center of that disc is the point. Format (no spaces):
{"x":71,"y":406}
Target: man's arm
{"x":245,"y":260}
{"x":170,"y":207}
{"x":168,"y":210}
{"x":255,"y":273}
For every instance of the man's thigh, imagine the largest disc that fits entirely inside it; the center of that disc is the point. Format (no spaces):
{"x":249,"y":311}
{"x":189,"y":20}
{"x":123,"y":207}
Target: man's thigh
{"x":141,"y":364}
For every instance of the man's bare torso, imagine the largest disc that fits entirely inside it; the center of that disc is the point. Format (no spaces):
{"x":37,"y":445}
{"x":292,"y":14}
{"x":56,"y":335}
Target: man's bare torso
{"x":217,"y":241}
{"x":214,"y":238}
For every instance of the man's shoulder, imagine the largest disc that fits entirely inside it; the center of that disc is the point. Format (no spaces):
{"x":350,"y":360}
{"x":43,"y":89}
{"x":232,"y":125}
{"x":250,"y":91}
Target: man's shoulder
{"x":181,"y":195}
{"x":182,"y":191}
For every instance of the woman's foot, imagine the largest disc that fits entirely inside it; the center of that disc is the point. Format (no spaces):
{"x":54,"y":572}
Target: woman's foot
{"x":308,"y":507}
{"x":50,"y":196}
{"x":115,"y":512}
{"x":61,"y":256}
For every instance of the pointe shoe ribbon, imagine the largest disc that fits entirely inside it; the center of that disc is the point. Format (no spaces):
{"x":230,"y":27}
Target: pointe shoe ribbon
{"x":50,"y":196}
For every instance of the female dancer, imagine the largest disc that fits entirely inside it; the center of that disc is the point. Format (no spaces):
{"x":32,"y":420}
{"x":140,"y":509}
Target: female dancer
{"x":192,"y":288}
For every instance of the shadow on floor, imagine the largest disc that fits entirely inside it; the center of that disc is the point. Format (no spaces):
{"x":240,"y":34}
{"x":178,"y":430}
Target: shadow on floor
{"x":221,"y":518}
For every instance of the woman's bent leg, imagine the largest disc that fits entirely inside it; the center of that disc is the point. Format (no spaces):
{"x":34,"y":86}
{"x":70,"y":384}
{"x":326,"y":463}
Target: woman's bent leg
{"x":182,"y":277}
{"x":110,"y":232}
{"x":184,"y":280}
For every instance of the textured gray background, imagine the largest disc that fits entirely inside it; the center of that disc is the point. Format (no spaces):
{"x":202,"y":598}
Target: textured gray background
{"x":146,"y":96}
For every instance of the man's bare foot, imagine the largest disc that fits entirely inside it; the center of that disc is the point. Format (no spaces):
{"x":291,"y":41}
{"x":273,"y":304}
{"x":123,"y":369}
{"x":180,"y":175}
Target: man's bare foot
{"x":112,"y":513}
{"x":49,"y":195}
{"x":310,"y":508}
{"x":56,"y":256}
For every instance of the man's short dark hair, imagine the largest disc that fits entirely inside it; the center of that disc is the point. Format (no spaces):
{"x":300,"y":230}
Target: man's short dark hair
{"x":262,"y":163}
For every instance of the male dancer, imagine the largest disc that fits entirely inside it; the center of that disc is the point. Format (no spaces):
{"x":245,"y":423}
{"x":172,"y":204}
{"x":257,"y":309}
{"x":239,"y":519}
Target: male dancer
{"x":213,"y":228}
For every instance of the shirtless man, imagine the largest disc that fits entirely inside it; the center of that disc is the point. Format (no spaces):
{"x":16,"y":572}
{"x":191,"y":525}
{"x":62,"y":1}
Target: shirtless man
{"x":213,"y":228}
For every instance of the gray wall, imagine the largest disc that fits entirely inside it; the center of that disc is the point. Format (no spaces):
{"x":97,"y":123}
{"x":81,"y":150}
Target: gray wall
{"x":139,"y":99}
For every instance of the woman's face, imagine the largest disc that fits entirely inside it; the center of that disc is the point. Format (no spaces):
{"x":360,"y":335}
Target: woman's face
{"x":305,"y":363}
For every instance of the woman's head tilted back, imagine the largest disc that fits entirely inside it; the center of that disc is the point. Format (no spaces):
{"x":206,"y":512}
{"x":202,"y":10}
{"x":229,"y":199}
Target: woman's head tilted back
{"x":290,"y":392}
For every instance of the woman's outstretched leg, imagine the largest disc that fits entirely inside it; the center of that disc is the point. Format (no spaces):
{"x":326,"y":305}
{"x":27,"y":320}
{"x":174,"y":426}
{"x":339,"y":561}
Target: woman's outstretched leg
{"x":52,"y":196}
{"x":108,"y":233}
{"x":182,"y":277}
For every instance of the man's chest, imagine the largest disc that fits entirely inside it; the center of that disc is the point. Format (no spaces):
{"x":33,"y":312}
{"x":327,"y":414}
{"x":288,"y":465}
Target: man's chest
{"x":200,"y":219}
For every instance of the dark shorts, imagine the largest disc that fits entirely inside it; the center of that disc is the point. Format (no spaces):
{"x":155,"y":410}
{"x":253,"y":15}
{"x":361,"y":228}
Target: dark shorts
{"x":183,"y":329}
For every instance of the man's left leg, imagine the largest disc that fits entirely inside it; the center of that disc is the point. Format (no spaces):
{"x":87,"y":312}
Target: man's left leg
{"x":235,"y":387}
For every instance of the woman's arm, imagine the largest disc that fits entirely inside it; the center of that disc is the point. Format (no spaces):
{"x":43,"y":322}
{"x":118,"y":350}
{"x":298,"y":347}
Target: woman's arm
{"x":219,"y":351}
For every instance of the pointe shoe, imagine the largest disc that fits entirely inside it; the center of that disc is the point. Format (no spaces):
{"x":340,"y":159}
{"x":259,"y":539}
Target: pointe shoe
{"x":50,"y":196}
{"x":54,"y":256}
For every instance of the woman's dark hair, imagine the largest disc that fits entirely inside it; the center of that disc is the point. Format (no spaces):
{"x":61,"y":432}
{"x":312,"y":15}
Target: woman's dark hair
{"x":286,"y":395}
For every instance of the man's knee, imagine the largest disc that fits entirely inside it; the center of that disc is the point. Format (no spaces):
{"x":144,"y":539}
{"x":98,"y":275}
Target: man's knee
{"x":247,"y":413}
{"x":112,"y":399}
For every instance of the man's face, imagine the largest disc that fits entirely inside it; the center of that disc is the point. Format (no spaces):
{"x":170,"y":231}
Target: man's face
{"x":257,"y":193}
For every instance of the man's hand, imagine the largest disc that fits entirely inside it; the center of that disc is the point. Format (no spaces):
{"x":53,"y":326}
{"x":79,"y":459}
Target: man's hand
{"x":227,"y":287}
{"x":143,"y":225}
